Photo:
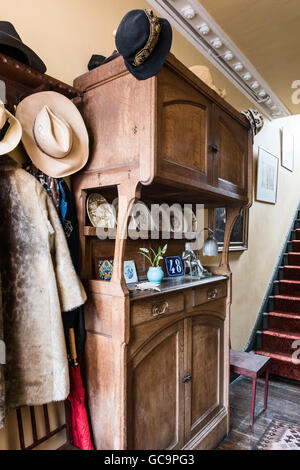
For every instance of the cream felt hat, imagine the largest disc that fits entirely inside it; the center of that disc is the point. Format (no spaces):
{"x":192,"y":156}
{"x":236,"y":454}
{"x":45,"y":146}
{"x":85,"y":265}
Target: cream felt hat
{"x":54,"y":133}
{"x":10,"y":131}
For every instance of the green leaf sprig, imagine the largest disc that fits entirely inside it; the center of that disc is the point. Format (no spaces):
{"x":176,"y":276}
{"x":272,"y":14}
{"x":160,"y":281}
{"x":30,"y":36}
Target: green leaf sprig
{"x":152,"y":257}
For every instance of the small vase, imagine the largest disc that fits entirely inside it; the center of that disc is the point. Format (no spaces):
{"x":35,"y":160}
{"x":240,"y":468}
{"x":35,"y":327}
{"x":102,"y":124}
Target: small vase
{"x":155,"y":274}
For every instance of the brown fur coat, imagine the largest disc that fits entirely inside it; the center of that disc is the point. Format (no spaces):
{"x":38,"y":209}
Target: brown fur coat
{"x":38,"y":283}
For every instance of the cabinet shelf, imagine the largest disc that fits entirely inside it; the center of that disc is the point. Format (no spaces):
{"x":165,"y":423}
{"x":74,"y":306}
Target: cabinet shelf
{"x":89,"y":231}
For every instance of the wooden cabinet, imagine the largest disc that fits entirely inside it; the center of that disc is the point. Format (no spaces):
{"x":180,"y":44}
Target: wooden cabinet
{"x":231,"y":149}
{"x":176,"y":378}
{"x":156,"y":392}
{"x":184,"y":132}
{"x":172,"y":129}
{"x":205,"y":362}
{"x":157,"y":364}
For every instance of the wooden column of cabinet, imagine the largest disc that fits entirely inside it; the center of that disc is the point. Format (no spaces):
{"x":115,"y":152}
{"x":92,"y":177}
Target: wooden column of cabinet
{"x":158,"y":363}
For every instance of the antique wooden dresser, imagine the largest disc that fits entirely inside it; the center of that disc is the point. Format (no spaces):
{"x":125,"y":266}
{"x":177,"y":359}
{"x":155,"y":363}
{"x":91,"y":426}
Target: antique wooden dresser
{"x":157,"y":363}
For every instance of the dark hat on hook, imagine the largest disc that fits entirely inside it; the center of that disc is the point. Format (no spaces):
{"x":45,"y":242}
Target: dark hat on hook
{"x":255,"y":118}
{"x":12,"y":46}
{"x":144,"y":41}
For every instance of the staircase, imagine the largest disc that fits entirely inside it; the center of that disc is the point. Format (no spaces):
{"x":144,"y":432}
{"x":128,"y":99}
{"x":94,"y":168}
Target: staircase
{"x":278,"y":327}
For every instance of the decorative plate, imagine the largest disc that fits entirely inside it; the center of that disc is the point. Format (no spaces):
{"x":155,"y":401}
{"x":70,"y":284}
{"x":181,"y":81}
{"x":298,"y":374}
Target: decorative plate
{"x":99,"y":211}
{"x":140,"y":218}
{"x":183,"y":224}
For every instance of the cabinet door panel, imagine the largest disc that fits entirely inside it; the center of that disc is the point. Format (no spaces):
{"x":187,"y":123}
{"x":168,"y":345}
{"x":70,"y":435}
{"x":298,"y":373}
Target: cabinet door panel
{"x":231,"y":160}
{"x":205,"y":357}
{"x":184,"y":131}
{"x":155,"y":393}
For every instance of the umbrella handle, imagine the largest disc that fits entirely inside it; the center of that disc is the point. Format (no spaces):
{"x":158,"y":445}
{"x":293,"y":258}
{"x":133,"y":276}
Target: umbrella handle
{"x":73,"y":345}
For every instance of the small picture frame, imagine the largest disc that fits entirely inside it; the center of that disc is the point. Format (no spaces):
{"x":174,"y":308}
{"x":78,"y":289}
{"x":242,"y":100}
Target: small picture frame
{"x":287,"y":150}
{"x":105,"y":269}
{"x":174,"y":266}
{"x":130,"y":273}
{"x":239,"y":236}
{"x":267,"y":177}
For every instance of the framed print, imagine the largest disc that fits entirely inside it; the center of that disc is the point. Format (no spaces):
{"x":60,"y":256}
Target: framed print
{"x":239,"y":236}
{"x":174,"y":266}
{"x":130,"y":273}
{"x":287,"y":150}
{"x":267,"y":177}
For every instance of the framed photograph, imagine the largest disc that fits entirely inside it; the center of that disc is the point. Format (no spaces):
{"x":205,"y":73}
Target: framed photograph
{"x":239,"y":237}
{"x":130,"y":273}
{"x":174,"y":266}
{"x":287,"y":150}
{"x":267,"y":177}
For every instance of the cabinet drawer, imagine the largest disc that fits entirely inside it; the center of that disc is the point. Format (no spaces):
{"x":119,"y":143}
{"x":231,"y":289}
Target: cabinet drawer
{"x":202,"y":295}
{"x":151,"y":309}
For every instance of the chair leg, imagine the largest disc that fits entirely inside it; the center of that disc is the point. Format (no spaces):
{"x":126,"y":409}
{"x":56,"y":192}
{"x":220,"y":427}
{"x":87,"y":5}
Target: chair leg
{"x":266,"y":390}
{"x":253,"y":403}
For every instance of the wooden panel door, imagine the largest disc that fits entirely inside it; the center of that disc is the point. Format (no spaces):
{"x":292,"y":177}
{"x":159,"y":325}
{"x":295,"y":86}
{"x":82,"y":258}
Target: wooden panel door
{"x":184,"y":131}
{"x":155,"y":393}
{"x":230,"y":153}
{"x":204,"y":344}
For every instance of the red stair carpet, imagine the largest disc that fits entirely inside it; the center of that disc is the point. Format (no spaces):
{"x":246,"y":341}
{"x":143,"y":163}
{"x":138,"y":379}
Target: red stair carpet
{"x":281,"y":339}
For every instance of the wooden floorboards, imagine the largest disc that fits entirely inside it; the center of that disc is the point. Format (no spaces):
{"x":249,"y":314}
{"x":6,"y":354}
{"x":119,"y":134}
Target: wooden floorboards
{"x":283,"y":403}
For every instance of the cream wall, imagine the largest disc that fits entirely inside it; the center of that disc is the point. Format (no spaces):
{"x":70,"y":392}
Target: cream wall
{"x":268,"y":226}
{"x":252,"y":270}
{"x":65,"y":34}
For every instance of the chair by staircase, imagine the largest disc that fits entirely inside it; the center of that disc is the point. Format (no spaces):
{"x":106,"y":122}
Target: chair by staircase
{"x":278,"y":332}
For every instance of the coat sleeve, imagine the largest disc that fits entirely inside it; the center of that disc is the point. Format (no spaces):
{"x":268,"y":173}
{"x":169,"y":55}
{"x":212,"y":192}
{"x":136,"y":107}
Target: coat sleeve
{"x":70,"y":290}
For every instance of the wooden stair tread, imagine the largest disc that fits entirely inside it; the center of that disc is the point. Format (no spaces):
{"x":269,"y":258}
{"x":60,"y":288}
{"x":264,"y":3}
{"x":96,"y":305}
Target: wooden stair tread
{"x":292,"y":316}
{"x":282,"y":334}
{"x":289,"y":281}
{"x":279,"y":357}
{"x":286,"y":297}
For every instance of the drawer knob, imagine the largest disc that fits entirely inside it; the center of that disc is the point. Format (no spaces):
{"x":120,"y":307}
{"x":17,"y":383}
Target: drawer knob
{"x":212,"y":294}
{"x":160,"y":309}
{"x":186,"y":378}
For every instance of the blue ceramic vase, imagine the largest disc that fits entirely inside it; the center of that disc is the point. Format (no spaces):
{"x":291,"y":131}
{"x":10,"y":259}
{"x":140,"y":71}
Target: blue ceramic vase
{"x":155,"y":274}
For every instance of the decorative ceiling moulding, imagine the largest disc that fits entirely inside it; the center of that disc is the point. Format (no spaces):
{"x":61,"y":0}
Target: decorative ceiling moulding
{"x":196,"y":25}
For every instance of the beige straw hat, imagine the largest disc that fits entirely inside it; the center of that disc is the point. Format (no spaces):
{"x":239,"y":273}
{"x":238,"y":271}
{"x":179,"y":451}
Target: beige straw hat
{"x":54,"y":133}
{"x":10,"y":131}
{"x":205,"y":75}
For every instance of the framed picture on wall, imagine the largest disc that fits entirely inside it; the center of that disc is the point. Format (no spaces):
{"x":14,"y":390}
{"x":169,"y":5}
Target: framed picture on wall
{"x":239,"y":236}
{"x":267,"y":177}
{"x":287,"y":150}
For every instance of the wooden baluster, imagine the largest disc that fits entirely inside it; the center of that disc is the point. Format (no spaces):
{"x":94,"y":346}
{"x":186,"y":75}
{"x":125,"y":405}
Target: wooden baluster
{"x":20,"y":428}
{"x":46,"y":416}
{"x":33,"y":424}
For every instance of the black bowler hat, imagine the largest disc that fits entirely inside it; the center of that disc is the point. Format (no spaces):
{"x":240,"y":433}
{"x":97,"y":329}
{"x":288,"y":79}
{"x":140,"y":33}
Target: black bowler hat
{"x":144,"y":41}
{"x":12,"y":46}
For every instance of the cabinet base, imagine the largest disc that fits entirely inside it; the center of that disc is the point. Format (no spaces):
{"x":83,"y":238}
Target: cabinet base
{"x":210,"y":436}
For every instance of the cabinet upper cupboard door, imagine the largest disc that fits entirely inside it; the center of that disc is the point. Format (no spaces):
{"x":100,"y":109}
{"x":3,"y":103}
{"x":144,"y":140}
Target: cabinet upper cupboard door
{"x":184,"y":131}
{"x":156,"y":393}
{"x":231,"y":143}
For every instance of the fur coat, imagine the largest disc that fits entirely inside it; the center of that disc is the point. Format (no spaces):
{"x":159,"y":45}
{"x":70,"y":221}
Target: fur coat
{"x":38,"y":283}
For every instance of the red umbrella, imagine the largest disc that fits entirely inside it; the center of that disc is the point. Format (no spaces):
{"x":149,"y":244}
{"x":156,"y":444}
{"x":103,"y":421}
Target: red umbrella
{"x":79,"y":419}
